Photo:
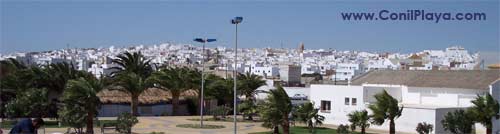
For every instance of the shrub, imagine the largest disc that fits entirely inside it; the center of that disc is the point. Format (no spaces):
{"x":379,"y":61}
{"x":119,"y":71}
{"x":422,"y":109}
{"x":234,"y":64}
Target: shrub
{"x":343,"y":129}
{"x":424,"y":128}
{"x":220,"y":111}
{"x":192,"y":105}
{"x":125,"y":122}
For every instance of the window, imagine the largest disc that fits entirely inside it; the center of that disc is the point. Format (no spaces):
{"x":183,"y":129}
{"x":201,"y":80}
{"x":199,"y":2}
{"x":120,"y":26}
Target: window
{"x":325,"y":106}
{"x":346,"y":100}
{"x":354,"y":101}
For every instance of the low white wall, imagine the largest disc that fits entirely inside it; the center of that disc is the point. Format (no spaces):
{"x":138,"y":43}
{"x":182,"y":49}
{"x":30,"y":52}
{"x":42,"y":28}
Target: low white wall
{"x":495,"y":91}
{"x":337,"y":94}
{"x":440,"y":96}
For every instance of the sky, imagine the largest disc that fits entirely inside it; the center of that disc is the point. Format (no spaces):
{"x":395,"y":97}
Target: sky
{"x":31,"y":25}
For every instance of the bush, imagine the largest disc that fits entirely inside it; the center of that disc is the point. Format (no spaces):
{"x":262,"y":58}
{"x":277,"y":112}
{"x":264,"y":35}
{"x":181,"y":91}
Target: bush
{"x":125,"y":122}
{"x":343,"y":129}
{"x":28,"y":103}
{"x":192,"y":105}
{"x":424,"y":128}
{"x":157,"y":133}
{"x":220,"y":111}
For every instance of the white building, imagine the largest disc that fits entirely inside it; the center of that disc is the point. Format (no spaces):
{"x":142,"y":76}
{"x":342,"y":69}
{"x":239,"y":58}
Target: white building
{"x":346,"y":71}
{"x":290,"y":74}
{"x":264,"y":71}
{"x":426,"y":95}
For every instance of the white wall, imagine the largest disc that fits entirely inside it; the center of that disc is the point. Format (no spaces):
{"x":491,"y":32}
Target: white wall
{"x":409,"y":119}
{"x":495,"y":92}
{"x":440,"y":96}
{"x":336,"y":94}
{"x":371,"y":89}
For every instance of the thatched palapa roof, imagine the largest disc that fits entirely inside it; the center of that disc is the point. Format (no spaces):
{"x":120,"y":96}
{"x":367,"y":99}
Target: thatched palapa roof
{"x":150,"y":96}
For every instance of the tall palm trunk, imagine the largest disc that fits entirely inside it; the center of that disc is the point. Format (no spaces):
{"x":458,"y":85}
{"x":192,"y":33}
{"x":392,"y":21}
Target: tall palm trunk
{"x":392,"y":127}
{"x":175,"y":103}
{"x":276,"y":130}
{"x":286,"y":124}
{"x":90,"y":122}
{"x":363,"y":130}
{"x":135,"y":102}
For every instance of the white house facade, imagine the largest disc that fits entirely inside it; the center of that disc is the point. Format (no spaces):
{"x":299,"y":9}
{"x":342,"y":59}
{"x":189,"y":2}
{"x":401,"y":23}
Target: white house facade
{"x":426,"y":96}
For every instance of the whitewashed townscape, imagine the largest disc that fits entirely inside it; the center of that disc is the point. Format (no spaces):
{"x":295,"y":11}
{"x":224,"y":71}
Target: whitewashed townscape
{"x":267,"y":62}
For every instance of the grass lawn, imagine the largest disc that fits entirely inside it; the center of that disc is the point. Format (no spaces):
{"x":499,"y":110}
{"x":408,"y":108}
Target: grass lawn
{"x":197,"y":126}
{"x":50,"y":124}
{"x":304,"y":130}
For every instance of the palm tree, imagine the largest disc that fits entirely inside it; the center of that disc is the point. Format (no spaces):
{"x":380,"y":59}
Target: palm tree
{"x":458,"y":122}
{"x":484,"y":110}
{"x":276,"y":109}
{"x":220,"y":89}
{"x":307,"y":114}
{"x":359,"y":119}
{"x":385,"y":108}
{"x":133,"y":70}
{"x":248,"y":84}
{"x":134,"y":85}
{"x":133,"y":63}
{"x":176,"y":80}
{"x":85,"y":91}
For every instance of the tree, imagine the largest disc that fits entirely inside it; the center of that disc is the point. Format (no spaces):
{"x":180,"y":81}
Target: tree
{"x":307,"y":114}
{"x":485,"y":108}
{"x":133,"y":63}
{"x":220,"y":89}
{"x":385,"y":108}
{"x":83,"y":92}
{"x":73,"y":114}
{"x":458,"y":122}
{"x":132,"y":84}
{"x":276,"y":109}
{"x":248,"y":85}
{"x":424,"y":128}
{"x":176,"y":80}
{"x":359,"y":119}
{"x":29,"y":103}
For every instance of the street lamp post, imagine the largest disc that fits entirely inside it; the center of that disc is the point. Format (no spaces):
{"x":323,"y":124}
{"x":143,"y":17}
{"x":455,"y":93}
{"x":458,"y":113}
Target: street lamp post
{"x":235,"y":21}
{"x":204,"y":41}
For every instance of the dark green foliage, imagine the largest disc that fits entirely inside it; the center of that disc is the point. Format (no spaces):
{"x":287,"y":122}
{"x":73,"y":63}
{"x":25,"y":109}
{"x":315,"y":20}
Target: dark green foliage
{"x":125,"y":122}
{"x":176,"y":80}
{"x":30,"y":103}
{"x":81,"y":95}
{"x":359,"y":119}
{"x":385,"y":108}
{"x":484,"y":109}
{"x":343,"y":129}
{"x":458,"y":122}
{"x":275,"y":110}
{"x":220,"y":111}
{"x":424,"y":128}
{"x":307,"y":114}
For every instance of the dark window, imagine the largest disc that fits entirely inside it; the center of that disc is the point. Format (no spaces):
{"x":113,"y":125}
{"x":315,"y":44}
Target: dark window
{"x":325,"y":106}
{"x":346,"y":100}
{"x":354,"y":101}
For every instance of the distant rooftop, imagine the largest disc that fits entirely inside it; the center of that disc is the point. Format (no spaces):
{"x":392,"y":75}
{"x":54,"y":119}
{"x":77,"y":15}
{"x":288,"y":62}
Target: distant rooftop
{"x":466,"y":79}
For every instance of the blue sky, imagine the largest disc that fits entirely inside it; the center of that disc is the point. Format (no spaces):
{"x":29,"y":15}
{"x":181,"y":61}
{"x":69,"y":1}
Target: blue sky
{"x":42,"y":25}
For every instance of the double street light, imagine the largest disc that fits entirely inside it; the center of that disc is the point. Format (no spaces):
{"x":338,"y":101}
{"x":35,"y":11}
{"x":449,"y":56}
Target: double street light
{"x":204,"y":41}
{"x":235,"y":21}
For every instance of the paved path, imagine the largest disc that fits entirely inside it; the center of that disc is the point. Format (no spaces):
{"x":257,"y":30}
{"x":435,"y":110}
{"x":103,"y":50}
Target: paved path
{"x":167,"y":124}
